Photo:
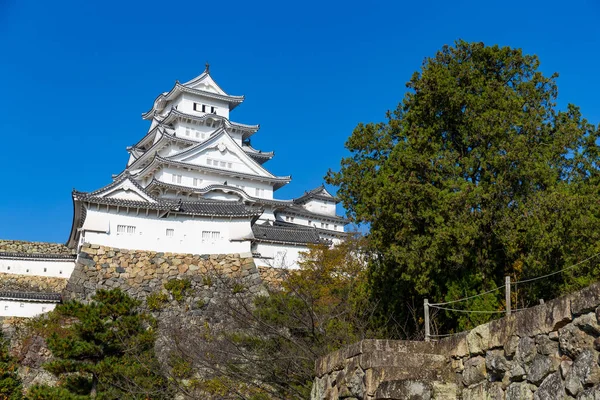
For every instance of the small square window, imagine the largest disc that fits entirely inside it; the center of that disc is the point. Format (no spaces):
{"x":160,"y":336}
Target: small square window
{"x":170,"y":232}
{"x":22,"y":305}
{"x":45,"y":269}
{"x":213,"y":110}
{"x":5,"y":308}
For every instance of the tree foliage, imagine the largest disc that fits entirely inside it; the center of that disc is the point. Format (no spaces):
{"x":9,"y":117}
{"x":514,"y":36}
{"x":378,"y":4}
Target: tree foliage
{"x":474,"y":176}
{"x":10,"y":383}
{"x":104,"y":349}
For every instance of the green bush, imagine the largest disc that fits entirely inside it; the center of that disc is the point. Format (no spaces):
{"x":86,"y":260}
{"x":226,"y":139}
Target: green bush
{"x":156,"y":301}
{"x":178,"y":288}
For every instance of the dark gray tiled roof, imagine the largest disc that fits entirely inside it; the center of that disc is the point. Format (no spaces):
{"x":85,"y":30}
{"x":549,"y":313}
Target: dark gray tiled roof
{"x":202,"y":208}
{"x":31,"y":296}
{"x":186,"y":189}
{"x":39,"y":256}
{"x":218,"y":208}
{"x":296,"y":209}
{"x":281,"y":234}
{"x":321,"y":231}
{"x":316,"y":194}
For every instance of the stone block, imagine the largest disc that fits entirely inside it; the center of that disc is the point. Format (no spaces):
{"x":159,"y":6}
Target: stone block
{"x":585,"y":300}
{"x":573,"y":340}
{"x":475,"y":371}
{"x":444,"y":391}
{"x":519,"y":391}
{"x":478,"y":339}
{"x":541,"y":367}
{"x":405,"y":389}
{"x":552,"y":388}
{"x":583,"y":373}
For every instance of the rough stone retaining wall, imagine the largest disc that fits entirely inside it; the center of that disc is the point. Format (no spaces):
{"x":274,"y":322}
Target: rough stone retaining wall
{"x":20,"y":246}
{"x":28,"y":283}
{"x":550,"y":351}
{"x":140,"y":273}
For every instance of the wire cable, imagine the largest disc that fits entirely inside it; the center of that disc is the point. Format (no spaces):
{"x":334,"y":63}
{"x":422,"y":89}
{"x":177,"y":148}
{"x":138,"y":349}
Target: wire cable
{"x":467,"y":298}
{"x":467,"y":311}
{"x":556,"y":272}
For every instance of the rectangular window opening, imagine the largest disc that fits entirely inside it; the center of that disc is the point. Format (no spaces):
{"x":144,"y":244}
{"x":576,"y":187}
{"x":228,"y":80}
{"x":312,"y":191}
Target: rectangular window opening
{"x":170,"y":232}
{"x":125,"y":229}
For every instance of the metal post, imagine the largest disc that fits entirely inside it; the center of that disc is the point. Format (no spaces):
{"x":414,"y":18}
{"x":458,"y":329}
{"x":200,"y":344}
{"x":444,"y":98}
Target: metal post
{"x":426,"y":306}
{"x":507,"y":295}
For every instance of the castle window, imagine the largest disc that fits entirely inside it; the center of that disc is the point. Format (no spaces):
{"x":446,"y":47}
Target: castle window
{"x":5,"y":308}
{"x":203,"y":108}
{"x":210,"y":236}
{"x":197,"y":181}
{"x":213,"y":110}
{"x":197,"y":135}
{"x":260,"y":192}
{"x":170,"y":232}
{"x":45,"y":269}
{"x":223,"y":164}
{"x":125,"y":229}
{"x":198,"y":107}
{"x":176,"y":178}
{"x":228,"y":165}
{"x":43,"y":309}
{"x":187,"y":131}
{"x":309,"y":222}
{"x":22,"y":305}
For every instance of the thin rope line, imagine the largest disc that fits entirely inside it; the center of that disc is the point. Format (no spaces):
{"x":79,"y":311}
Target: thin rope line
{"x":444,"y":335}
{"x":557,"y":272}
{"x":467,"y":311}
{"x":467,"y":298}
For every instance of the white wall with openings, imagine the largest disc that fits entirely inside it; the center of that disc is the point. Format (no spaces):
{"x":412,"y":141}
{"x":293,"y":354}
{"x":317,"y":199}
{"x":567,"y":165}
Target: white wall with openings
{"x":24,"y":309}
{"x":60,"y":268}
{"x":177,"y":234}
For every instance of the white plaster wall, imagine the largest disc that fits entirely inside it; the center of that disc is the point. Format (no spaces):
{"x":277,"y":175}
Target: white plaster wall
{"x":185,"y":104}
{"x":57,"y":269}
{"x":150,"y":233}
{"x":314,"y":221}
{"x":279,"y":255}
{"x":193,"y":131}
{"x":24,"y":309}
{"x":320,"y":207}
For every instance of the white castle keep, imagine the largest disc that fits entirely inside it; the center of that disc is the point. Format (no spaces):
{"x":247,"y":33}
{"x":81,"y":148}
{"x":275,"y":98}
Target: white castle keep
{"x":194,"y":184}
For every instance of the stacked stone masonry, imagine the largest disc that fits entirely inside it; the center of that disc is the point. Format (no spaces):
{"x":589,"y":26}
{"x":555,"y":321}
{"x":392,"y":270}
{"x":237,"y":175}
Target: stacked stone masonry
{"x":28,"y":283}
{"x":550,"y":351}
{"x":140,"y":273}
{"x":19,"y":246}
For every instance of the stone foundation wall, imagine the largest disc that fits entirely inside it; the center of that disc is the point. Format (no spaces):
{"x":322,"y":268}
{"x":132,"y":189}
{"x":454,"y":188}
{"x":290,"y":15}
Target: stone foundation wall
{"x":29,"y":283}
{"x":141,"y":273}
{"x":550,"y":351}
{"x":21,"y":246}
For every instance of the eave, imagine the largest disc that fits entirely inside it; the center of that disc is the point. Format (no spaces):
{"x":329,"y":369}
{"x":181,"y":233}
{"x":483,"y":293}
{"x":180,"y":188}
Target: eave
{"x":277,"y":182}
{"x":164,"y":98}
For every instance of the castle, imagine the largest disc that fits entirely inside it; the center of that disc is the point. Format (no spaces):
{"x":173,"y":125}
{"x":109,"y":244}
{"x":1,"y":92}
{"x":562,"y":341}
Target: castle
{"x":193,"y":184}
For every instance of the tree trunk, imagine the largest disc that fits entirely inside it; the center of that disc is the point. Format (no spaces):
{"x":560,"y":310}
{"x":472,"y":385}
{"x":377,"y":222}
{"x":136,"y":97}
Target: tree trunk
{"x":94,"y":390}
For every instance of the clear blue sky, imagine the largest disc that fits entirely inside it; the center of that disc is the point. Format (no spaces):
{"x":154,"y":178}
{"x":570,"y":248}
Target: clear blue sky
{"x":76,"y":75}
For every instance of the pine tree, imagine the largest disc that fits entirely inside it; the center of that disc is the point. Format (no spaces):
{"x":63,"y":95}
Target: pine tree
{"x":104,"y":349}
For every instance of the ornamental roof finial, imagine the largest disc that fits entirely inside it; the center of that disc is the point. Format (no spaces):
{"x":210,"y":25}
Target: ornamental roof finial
{"x":207,"y":65}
